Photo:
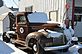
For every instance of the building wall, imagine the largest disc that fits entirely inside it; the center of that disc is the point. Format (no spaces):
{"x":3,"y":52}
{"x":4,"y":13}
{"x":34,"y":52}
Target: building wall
{"x":1,"y":27}
{"x":45,"y":6}
{"x":24,"y":3}
{"x":6,"y":24}
{"x":78,"y":27}
{"x":78,"y":3}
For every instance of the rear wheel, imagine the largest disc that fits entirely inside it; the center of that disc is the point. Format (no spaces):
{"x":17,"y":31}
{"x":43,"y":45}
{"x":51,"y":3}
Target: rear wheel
{"x":5,"y":38}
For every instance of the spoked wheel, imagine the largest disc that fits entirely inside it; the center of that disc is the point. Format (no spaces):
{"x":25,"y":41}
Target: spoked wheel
{"x":33,"y":44}
{"x":33,"y":41}
{"x":35,"y":48}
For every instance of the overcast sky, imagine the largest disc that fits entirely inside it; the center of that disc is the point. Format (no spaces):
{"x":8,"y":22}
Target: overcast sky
{"x":10,"y":3}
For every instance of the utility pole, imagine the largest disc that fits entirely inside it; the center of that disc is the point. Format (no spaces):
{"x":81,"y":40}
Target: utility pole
{"x":73,"y":8}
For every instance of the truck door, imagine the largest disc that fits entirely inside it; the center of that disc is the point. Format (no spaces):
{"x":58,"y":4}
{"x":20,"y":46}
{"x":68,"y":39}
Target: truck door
{"x":22,"y":26}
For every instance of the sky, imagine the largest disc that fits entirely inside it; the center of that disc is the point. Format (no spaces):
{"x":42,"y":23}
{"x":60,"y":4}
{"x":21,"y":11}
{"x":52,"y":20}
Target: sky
{"x":10,"y":3}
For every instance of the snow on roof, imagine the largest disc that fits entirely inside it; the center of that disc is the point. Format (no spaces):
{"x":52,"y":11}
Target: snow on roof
{"x":38,"y":17}
{"x":4,"y":9}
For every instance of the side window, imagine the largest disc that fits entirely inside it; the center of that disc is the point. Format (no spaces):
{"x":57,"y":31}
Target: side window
{"x":22,"y":19}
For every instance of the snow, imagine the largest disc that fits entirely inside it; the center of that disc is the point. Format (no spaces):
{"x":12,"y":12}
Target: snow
{"x":8,"y":48}
{"x":68,"y":32}
{"x":52,"y":33}
{"x":38,"y":17}
{"x":74,"y":49}
{"x":11,"y":32}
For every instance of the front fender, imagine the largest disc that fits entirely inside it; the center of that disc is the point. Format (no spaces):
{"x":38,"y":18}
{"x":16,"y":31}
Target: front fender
{"x":34,"y":36}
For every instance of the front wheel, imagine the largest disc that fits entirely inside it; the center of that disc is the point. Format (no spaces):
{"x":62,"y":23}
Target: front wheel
{"x":35,"y":45}
{"x":32,"y":43}
{"x":37,"y":49}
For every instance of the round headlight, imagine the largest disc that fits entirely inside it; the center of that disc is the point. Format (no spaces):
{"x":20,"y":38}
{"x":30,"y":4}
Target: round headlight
{"x":74,"y":39}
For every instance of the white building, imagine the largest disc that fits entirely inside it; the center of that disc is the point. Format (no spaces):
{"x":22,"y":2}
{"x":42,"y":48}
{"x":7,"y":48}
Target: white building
{"x":55,"y":9}
{"x":78,"y":16}
{"x":4,"y":19}
{"x":4,"y":23}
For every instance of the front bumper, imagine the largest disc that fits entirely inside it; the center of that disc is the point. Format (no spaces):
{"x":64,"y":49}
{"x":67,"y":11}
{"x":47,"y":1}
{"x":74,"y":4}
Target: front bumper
{"x":56,"y":48}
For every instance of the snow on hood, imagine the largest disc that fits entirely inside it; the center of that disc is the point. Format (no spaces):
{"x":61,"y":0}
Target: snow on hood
{"x":52,"y":33}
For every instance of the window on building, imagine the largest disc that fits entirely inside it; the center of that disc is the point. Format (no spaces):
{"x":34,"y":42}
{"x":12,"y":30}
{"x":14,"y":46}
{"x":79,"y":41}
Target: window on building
{"x":77,"y":17}
{"x":53,"y":15}
{"x":78,"y":9}
{"x":29,"y":9}
{"x":78,"y":14}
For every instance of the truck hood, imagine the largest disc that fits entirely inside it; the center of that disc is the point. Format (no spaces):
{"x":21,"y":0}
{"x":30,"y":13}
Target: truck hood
{"x":52,"y":33}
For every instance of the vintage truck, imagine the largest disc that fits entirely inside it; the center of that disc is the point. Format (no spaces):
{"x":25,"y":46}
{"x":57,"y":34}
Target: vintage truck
{"x":33,"y":30}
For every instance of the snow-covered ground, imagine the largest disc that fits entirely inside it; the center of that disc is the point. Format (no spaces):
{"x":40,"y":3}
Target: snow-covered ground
{"x":8,"y":48}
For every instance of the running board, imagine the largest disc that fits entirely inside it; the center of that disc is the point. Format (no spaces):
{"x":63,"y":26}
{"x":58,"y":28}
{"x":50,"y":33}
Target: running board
{"x":23,"y":48}
{"x":20,"y":42}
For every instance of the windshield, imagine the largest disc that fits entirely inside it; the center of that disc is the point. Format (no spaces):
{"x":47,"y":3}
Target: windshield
{"x":37,"y":17}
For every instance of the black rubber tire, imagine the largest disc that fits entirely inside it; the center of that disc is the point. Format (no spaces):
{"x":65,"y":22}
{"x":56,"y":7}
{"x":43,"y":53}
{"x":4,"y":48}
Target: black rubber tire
{"x":40,"y":50}
{"x":5,"y":38}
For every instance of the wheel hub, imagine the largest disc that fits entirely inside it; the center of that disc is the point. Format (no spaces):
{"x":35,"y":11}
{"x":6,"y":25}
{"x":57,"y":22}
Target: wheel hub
{"x":34,"y":47}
